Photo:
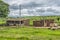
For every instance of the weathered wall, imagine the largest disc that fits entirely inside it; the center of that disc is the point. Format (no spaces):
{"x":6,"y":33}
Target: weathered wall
{"x":45,"y":23}
{"x":17,"y":22}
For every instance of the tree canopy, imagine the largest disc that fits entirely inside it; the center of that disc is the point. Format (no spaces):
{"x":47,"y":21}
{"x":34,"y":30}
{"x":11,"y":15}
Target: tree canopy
{"x":4,"y":9}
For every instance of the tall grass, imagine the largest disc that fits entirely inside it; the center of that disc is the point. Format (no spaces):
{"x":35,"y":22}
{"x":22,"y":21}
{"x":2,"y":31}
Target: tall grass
{"x":25,"y":33}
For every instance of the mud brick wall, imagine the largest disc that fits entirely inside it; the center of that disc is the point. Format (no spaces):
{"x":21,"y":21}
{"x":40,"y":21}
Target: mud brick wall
{"x":38,"y":23}
{"x":48,"y":22}
{"x":45,"y":23}
{"x":17,"y":22}
{"x":26,"y":22}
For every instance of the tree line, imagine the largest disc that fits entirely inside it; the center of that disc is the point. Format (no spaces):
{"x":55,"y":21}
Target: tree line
{"x":4,"y":9}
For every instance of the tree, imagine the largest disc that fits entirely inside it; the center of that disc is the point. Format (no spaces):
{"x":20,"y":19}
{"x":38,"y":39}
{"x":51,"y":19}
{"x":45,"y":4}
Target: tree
{"x":4,"y":9}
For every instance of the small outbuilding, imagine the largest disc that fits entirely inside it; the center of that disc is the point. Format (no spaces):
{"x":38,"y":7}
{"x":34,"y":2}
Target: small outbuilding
{"x":38,"y":23}
{"x":44,"y":23}
{"x":15,"y":22}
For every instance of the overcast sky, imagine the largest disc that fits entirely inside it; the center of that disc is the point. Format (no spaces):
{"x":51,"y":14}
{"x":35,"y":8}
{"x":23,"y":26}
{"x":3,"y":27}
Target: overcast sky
{"x":33,"y":7}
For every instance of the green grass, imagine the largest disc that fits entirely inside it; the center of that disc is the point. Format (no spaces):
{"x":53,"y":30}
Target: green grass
{"x":28,"y":33}
{"x":2,"y":20}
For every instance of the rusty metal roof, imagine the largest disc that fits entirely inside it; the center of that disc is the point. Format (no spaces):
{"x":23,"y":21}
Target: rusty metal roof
{"x":17,"y":19}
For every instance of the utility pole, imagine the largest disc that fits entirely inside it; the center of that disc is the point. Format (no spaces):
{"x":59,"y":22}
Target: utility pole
{"x":19,"y":7}
{"x":20,"y":14}
{"x":20,"y":10}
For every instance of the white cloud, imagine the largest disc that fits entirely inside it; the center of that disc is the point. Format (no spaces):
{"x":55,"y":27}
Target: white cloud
{"x":18,"y":1}
{"x":46,"y":2}
{"x":14,"y":13}
{"x":44,"y":7}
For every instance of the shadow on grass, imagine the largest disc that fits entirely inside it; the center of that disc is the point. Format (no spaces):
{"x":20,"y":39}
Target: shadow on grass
{"x":23,"y":38}
{"x":10,"y":38}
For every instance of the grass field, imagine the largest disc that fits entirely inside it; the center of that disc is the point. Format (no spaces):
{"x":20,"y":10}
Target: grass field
{"x":2,"y":20}
{"x":28,"y":33}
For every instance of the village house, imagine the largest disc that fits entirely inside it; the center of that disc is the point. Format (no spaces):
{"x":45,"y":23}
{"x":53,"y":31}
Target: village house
{"x":15,"y":22}
{"x":44,"y":23}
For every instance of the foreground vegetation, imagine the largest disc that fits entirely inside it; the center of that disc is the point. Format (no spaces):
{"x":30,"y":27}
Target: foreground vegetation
{"x":28,"y":33}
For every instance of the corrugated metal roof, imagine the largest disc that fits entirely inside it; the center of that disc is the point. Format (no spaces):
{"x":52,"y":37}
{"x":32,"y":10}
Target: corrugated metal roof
{"x":17,"y":19}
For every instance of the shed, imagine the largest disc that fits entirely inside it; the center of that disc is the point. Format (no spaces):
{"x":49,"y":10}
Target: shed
{"x":49,"y":22}
{"x":38,"y":23}
{"x":45,"y":23}
{"x":15,"y":22}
